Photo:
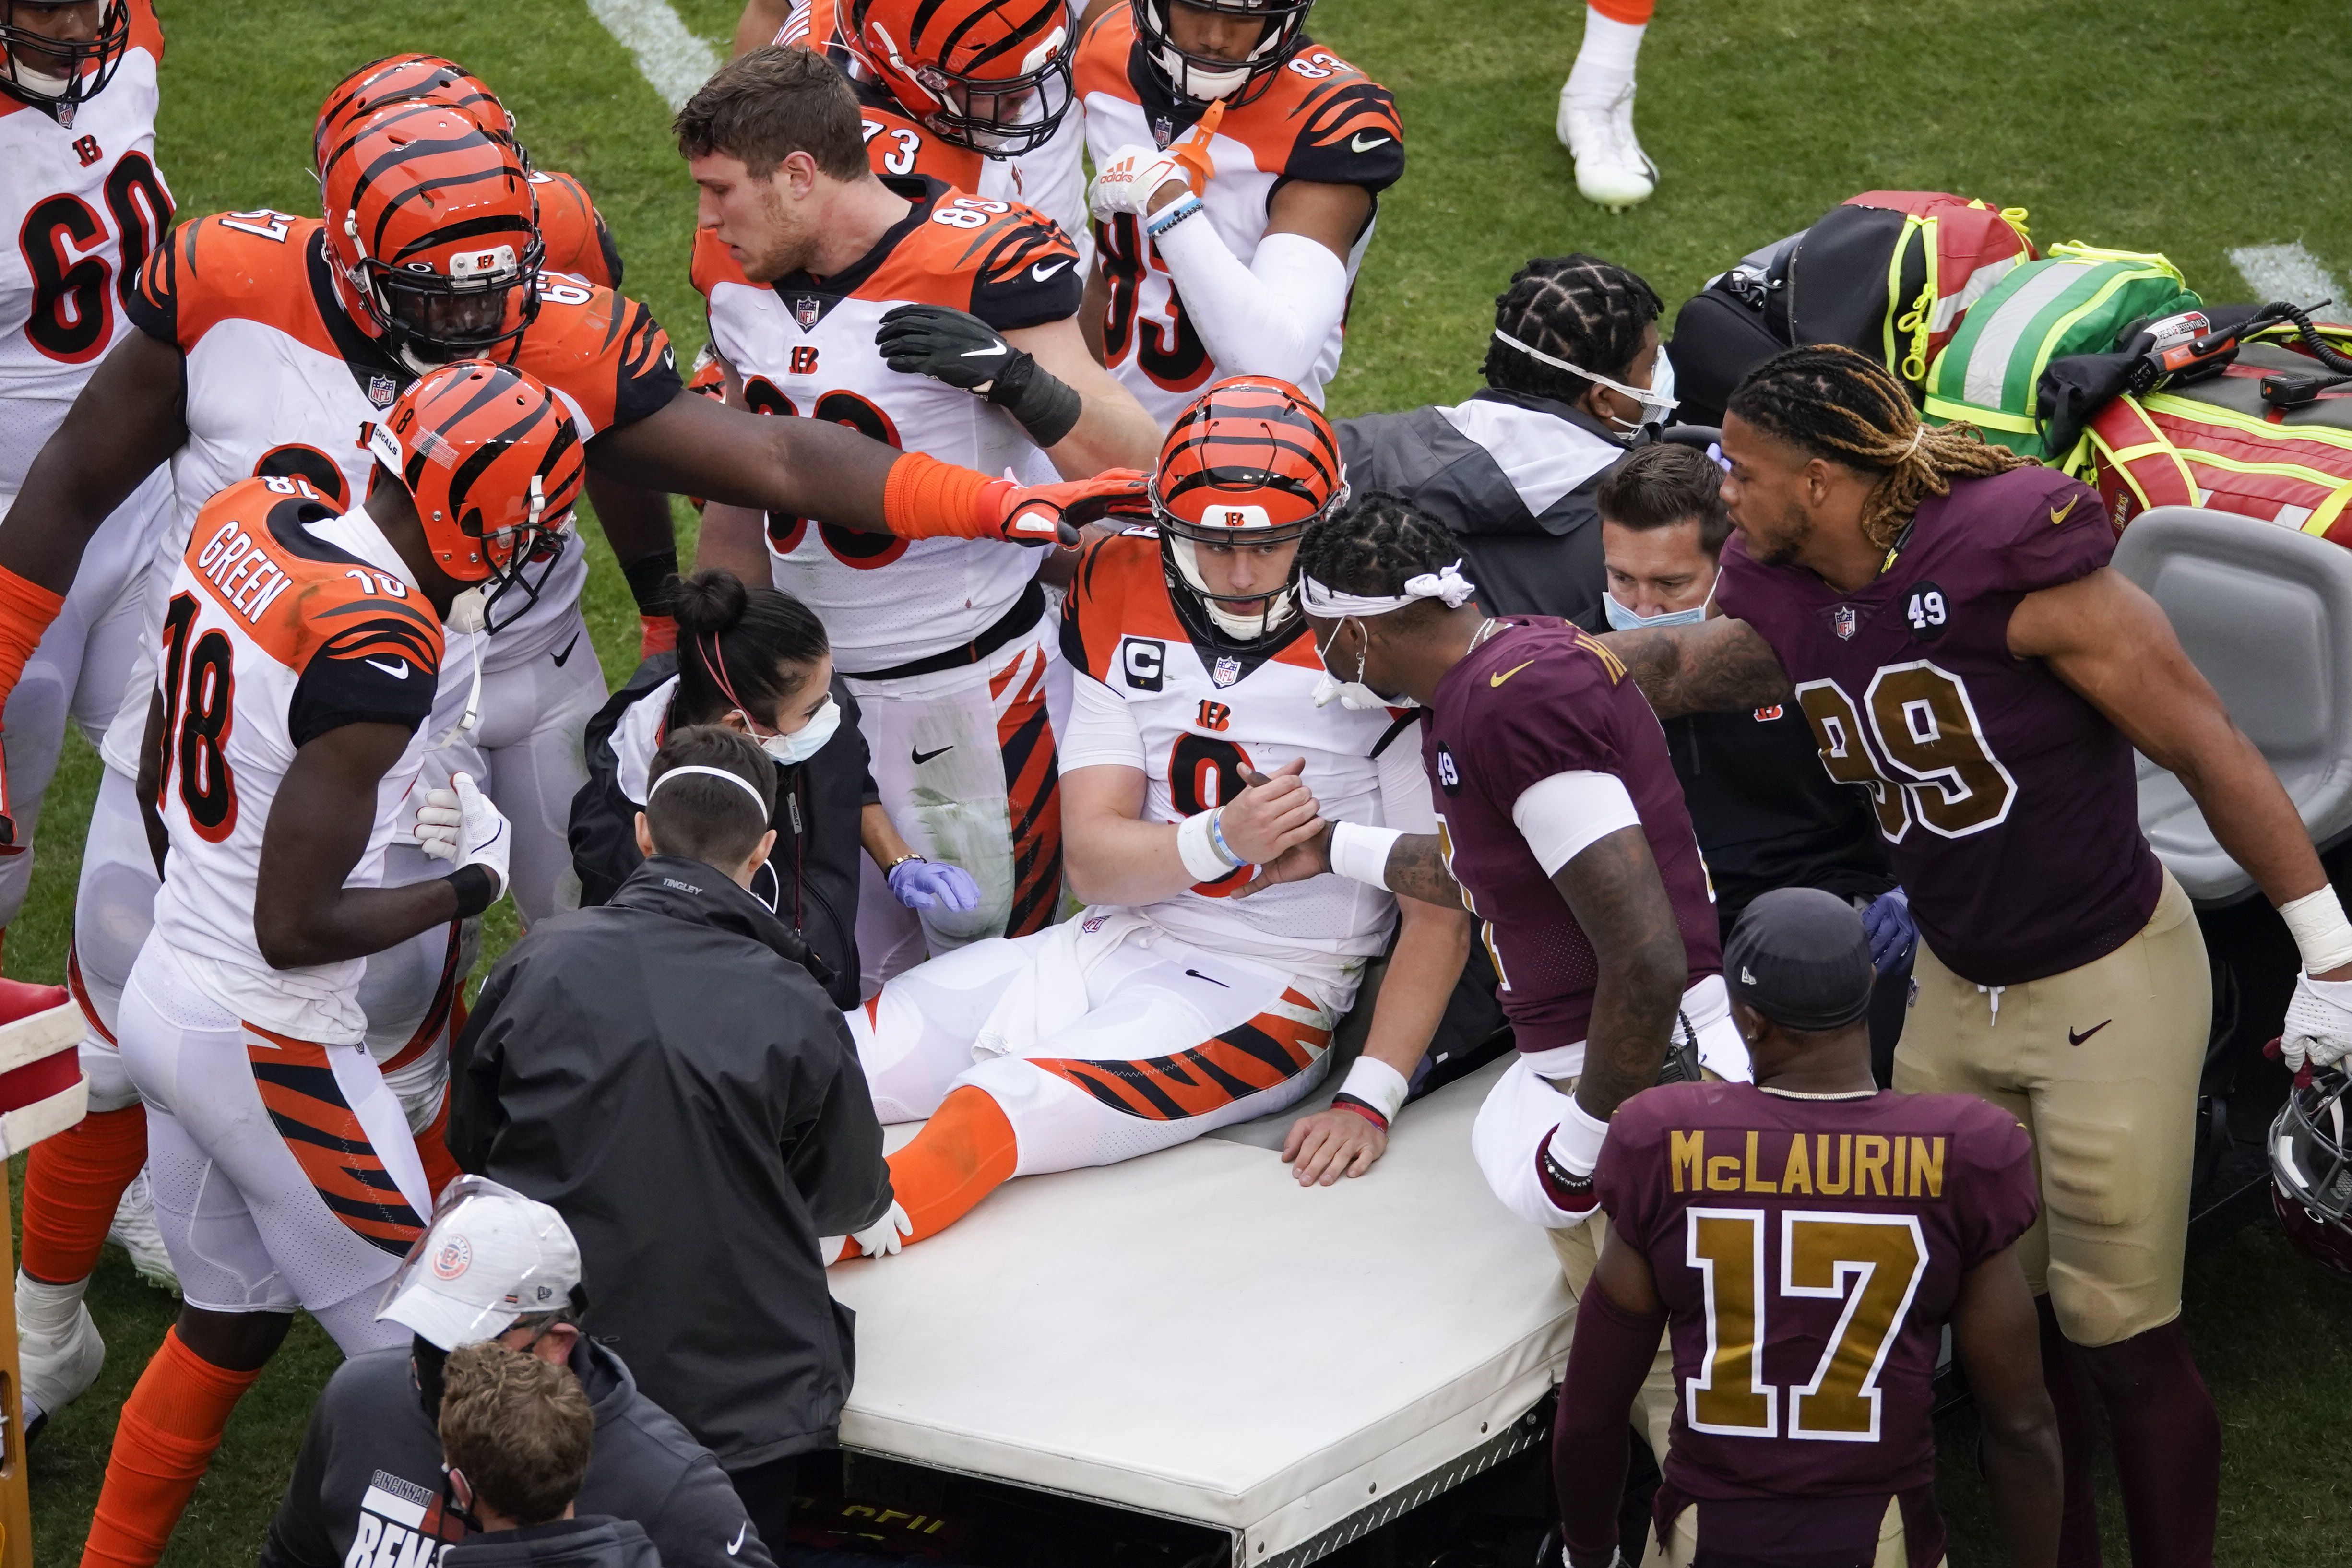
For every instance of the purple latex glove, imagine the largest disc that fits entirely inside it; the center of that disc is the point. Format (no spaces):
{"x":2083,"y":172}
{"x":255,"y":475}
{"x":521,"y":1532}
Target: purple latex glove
{"x":1894,"y":935}
{"x":920,"y":884}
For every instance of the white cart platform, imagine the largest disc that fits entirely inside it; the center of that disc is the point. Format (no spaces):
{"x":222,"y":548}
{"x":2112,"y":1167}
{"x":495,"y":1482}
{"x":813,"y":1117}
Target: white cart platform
{"x":1193,"y":1336}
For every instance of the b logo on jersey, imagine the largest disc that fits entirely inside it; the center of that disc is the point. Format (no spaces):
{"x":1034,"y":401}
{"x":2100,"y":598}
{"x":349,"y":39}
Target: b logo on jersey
{"x":1928,"y":612}
{"x":1143,"y":662}
{"x":1214,"y":715}
{"x":86,"y":149}
{"x":1844,"y":622}
{"x":1767,"y":715}
{"x":1449,"y":777}
{"x":805,"y":358}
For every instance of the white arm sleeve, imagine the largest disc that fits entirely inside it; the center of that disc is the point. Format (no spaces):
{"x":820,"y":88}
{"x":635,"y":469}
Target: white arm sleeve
{"x":1100,"y":731}
{"x":1405,"y":804}
{"x":1562,"y":817}
{"x":1270,"y":317}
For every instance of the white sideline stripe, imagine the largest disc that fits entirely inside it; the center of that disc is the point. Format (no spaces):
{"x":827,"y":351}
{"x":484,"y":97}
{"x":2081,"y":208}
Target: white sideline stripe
{"x":2286,"y":272}
{"x":673,"y":60}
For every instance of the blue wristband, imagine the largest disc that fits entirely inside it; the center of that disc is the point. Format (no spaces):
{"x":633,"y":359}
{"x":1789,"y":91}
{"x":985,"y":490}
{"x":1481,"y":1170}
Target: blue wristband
{"x":1217,"y":840}
{"x":1185,"y":208}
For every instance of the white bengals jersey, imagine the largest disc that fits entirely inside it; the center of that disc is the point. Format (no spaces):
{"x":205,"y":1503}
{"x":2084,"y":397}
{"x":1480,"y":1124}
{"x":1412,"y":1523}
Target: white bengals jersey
{"x":1203,"y":713}
{"x":805,"y":346}
{"x":81,"y":208}
{"x":287,"y":618}
{"x":1321,"y":120}
{"x":280,"y":382}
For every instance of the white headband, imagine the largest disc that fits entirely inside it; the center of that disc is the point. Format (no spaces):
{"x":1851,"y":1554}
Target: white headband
{"x":1640,"y":394}
{"x":737,"y":780}
{"x":1446,"y":583}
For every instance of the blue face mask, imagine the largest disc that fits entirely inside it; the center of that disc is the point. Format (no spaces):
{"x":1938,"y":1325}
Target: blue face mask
{"x":1621,"y":620}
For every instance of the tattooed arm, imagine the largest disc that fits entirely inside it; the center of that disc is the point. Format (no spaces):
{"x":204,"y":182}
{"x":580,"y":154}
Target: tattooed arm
{"x":1614,"y":891}
{"x":1720,"y":664}
{"x":1416,"y":868}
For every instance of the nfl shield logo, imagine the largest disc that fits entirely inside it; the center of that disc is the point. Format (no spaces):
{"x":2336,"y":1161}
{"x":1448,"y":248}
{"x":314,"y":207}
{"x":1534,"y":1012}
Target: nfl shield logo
{"x":806,"y":310}
{"x":382,"y":390}
{"x":1228,"y":671}
{"x":1843,"y":621}
{"x":66,"y":118}
{"x":1163,"y":129}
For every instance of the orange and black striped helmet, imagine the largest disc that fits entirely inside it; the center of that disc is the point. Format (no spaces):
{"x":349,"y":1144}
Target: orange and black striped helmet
{"x":434,"y":232}
{"x":1251,"y":462}
{"x":989,"y":75}
{"x":494,"y":464}
{"x":56,"y":73}
{"x":408,"y":79}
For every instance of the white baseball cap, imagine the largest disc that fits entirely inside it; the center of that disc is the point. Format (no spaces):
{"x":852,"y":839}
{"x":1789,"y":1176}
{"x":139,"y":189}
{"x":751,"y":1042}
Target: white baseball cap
{"x":491,"y":1256}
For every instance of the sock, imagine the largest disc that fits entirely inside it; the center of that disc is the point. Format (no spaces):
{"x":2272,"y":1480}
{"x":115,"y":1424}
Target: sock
{"x":170,"y":1427}
{"x":964,"y":1152}
{"x":73,"y":1184}
{"x":2167,"y":1442}
{"x":2076,"y":1402}
{"x":433,"y":1147}
{"x":45,"y":1310}
{"x":1604,"y":62}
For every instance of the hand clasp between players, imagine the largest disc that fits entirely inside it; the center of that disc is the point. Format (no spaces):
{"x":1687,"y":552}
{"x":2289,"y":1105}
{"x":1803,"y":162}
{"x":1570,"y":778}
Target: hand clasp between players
{"x":460,"y":825}
{"x":1274,"y":812}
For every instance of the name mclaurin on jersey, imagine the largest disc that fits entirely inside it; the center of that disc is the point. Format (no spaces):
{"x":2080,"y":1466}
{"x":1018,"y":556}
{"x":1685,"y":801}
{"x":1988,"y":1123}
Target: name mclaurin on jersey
{"x":1865,"y":1164}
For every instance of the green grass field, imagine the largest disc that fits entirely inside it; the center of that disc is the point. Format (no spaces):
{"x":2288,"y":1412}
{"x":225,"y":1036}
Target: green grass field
{"x":2171,"y":125}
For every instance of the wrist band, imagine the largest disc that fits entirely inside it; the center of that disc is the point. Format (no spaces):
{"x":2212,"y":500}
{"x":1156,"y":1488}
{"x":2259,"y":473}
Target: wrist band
{"x":1185,"y":208}
{"x":1362,"y":853}
{"x":2321,"y":932}
{"x":1581,"y":1135}
{"x":1046,"y":406}
{"x":1343,"y":1101}
{"x":652,"y":579}
{"x":1200,"y":855}
{"x":1217,"y":841}
{"x":476,"y":888}
{"x":1377,"y":1085}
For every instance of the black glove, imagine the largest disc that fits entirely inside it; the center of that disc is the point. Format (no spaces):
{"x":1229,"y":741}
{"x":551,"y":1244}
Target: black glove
{"x":960,"y":349}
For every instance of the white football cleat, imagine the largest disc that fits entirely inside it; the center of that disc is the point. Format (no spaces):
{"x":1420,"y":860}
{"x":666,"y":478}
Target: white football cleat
{"x":134,"y":1231}
{"x":56,"y":1370}
{"x":1612,"y":169}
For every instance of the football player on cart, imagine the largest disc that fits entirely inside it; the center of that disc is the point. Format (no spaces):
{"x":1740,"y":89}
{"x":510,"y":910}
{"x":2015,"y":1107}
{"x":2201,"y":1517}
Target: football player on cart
{"x":300,"y":651}
{"x":1169,"y":1006}
{"x":1238,"y":172}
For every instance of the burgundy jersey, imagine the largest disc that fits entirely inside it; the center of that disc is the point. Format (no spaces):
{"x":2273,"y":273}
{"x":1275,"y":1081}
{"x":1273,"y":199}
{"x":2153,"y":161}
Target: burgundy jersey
{"x":2009,"y":800}
{"x":1809,"y":1252}
{"x":1538,"y":698}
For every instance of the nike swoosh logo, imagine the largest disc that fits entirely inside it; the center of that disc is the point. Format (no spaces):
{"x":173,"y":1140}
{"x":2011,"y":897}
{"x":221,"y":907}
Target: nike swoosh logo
{"x":1360,"y":145}
{"x":1210,"y":978}
{"x":737,"y":1545}
{"x":397,"y":672}
{"x":567,"y":650}
{"x":1498,"y":680}
{"x":1045,"y":269}
{"x":982,"y":353}
{"x":2074,"y":1039}
{"x":922,"y":757}
{"x":2059,"y":514}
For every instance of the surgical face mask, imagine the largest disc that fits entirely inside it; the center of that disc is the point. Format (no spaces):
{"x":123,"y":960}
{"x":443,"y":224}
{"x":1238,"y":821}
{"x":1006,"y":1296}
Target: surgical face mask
{"x":803,"y":743}
{"x":1657,"y":399}
{"x":1352,"y":695}
{"x":1624,"y":620}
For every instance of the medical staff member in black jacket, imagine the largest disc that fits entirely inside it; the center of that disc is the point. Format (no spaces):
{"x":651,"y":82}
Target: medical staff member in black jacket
{"x":368,"y":1478}
{"x":756,"y":660}
{"x":664,"y":1070}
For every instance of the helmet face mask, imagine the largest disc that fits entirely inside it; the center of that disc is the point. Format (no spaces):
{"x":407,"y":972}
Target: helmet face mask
{"x":992,"y":76}
{"x":1250,"y":463}
{"x":1205,"y":77}
{"x":57,"y":74}
{"x":487,"y":303}
{"x":2311,"y":1170}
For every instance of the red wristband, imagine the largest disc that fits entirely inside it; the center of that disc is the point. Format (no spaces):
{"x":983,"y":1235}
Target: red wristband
{"x":1349,"y":1102}
{"x":656,"y":634}
{"x":923,"y":498}
{"x":26,"y":611}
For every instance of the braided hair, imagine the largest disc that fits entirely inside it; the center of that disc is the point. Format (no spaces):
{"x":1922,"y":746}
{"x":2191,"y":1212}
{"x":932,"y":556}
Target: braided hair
{"x":1577,"y":307}
{"x":1832,"y":403}
{"x":1373,"y":544}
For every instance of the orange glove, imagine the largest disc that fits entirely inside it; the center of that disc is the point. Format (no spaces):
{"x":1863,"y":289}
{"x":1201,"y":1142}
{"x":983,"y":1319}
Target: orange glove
{"x":656,"y":634}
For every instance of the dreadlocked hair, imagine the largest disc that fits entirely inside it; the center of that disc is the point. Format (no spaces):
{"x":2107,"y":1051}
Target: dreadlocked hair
{"x":1832,"y":403}
{"x":1578,"y":308}
{"x":1373,"y":544}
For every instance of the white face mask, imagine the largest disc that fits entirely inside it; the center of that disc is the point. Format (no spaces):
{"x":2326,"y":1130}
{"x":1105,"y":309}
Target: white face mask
{"x":803,"y":743}
{"x":1624,"y":620}
{"x":1352,"y":695}
{"x":1657,"y":399}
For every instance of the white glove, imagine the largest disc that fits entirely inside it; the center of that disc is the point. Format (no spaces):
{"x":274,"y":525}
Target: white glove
{"x":2318,"y":1024}
{"x":460,"y":825}
{"x":1134,"y":174}
{"x":886,"y":1235}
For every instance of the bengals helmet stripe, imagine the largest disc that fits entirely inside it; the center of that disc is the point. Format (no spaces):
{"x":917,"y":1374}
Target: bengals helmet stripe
{"x":408,"y":79}
{"x":992,"y":76}
{"x":494,"y":465}
{"x":433,"y":230}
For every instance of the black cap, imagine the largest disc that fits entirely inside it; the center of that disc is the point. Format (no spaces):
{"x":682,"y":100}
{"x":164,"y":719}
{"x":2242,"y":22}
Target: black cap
{"x":1800,"y":957}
